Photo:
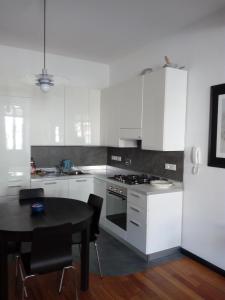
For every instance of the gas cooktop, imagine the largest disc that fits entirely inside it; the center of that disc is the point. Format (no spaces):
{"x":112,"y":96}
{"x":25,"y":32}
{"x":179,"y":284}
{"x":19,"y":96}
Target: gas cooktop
{"x":134,"y":179}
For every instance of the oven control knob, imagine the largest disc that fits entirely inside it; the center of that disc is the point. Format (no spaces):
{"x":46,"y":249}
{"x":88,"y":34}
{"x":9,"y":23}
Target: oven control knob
{"x":111,"y":188}
{"x":121,"y":192}
{"x":115,"y":190}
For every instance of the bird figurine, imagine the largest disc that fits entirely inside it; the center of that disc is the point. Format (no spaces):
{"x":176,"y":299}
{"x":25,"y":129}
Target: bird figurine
{"x":168,"y":63}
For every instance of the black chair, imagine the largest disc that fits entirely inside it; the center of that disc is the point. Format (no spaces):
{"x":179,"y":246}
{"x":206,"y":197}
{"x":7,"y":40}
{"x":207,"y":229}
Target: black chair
{"x":51,"y":251}
{"x":30,"y":195}
{"x":96,"y":203}
{"x":25,"y":196}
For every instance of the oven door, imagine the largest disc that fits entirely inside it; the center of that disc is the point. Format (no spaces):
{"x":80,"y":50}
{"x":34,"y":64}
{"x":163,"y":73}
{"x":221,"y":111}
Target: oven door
{"x":116,"y":209}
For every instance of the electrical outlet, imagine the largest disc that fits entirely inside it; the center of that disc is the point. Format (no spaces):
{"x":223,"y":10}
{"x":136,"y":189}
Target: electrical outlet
{"x":171,"y":167}
{"x":127,"y":161}
{"x":117,"y":158}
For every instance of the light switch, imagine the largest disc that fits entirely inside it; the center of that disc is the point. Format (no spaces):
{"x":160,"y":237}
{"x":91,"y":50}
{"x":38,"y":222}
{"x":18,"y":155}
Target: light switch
{"x":171,"y":167}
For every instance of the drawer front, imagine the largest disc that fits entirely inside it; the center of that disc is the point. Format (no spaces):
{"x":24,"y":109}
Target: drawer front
{"x":136,"y":212}
{"x":137,"y":199}
{"x":136,"y":233}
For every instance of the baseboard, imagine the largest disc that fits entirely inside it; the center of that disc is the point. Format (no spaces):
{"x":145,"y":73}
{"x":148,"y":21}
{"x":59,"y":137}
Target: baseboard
{"x":203,"y":261}
{"x":147,"y":257}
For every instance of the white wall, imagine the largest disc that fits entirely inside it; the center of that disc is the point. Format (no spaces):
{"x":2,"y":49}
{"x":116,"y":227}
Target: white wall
{"x":202,"y":49}
{"x":20,"y":66}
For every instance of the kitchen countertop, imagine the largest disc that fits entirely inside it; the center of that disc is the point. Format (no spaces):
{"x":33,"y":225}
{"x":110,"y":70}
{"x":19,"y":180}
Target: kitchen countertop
{"x":146,"y":189}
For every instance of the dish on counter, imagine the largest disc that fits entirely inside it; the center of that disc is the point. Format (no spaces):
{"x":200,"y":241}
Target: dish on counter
{"x":161,"y":184}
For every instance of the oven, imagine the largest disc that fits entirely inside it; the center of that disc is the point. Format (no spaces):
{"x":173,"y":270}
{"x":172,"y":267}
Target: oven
{"x":116,"y":205}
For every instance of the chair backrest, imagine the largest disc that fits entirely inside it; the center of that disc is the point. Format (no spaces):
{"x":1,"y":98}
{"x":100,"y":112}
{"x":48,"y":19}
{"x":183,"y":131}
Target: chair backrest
{"x":51,"y":248}
{"x":29,"y":195}
{"x":96,"y":203}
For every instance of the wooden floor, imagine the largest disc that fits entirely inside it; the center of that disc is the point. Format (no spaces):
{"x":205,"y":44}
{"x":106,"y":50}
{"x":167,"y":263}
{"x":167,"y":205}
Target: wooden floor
{"x":179,"y":279}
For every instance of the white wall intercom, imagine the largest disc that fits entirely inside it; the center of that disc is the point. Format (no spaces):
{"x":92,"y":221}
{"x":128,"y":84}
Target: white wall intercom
{"x":196,"y":159}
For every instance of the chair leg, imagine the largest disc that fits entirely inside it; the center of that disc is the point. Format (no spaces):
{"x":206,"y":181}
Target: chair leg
{"x":99,"y":265}
{"x":62,"y":277}
{"x":24,"y":279}
{"x":17,"y":265}
{"x":24,"y":289}
{"x":61,"y":281}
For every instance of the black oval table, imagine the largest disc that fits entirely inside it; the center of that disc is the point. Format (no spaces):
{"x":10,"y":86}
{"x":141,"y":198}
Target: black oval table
{"x":17,"y":224}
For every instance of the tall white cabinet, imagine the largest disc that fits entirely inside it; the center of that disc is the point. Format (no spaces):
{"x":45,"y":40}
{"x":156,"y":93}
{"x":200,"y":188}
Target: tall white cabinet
{"x":14,"y":144}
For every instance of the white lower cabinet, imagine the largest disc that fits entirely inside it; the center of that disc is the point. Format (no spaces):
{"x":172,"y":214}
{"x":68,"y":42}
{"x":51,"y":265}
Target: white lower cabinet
{"x":154,"y":221}
{"x":136,"y":233}
{"x":81,"y":188}
{"x":74,"y":188}
{"x":52,"y":188}
{"x":100,"y":190}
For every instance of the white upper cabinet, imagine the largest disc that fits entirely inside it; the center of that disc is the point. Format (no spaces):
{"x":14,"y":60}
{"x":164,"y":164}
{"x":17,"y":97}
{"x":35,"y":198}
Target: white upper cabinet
{"x":82,"y":116}
{"x":77,"y":131}
{"x":94,"y":116}
{"x":65,"y":116}
{"x":47,"y":117}
{"x":130,"y":108}
{"x":121,"y":113}
{"x":109,"y":118}
{"x":164,"y":110}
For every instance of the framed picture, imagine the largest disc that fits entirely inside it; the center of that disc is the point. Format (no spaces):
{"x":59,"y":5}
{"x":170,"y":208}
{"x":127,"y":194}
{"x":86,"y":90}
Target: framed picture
{"x":216,"y":156}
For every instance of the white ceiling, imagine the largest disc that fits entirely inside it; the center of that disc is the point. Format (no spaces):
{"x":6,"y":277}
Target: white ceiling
{"x":98,"y":30}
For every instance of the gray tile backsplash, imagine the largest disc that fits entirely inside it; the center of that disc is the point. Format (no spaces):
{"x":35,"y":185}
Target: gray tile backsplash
{"x":141,"y":160}
{"x":147,"y":161}
{"x":50,"y":156}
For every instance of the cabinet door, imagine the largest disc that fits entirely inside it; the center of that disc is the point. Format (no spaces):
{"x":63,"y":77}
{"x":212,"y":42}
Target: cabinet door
{"x":52,"y":188}
{"x":47,"y":117}
{"x":164,"y":110}
{"x":109,"y":118}
{"x":164,"y":225}
{"x":100,"y":190}
{"x":14,"y":142}
{"x":136,"y":232}
{"x":81,"y":188}
{"x":175,"y":110}
{"x":77,"y":127}
{"x":94,"y":116}
{"x":130,"y":103}
{"x":153,"y":111}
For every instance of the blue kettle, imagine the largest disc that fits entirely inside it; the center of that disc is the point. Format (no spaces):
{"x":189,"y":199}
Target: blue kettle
{"x":67,"y":165}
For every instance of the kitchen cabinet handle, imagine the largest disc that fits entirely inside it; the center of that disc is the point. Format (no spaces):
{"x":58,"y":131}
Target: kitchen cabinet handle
{"x":81,"y":180}
{"x":134,"y":209}
{"x":15,"y":186}
{"x":134,"y":223}
{"x":48,"y":183}
{"x":135,"y":195}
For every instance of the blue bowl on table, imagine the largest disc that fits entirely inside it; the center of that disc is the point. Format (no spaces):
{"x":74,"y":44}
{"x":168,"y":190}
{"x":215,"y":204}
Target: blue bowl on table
{"x":37,"y":208}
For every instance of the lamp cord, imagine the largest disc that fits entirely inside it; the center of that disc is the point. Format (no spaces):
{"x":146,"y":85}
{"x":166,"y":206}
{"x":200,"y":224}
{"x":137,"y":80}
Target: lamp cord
{"x":44,"y":29}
